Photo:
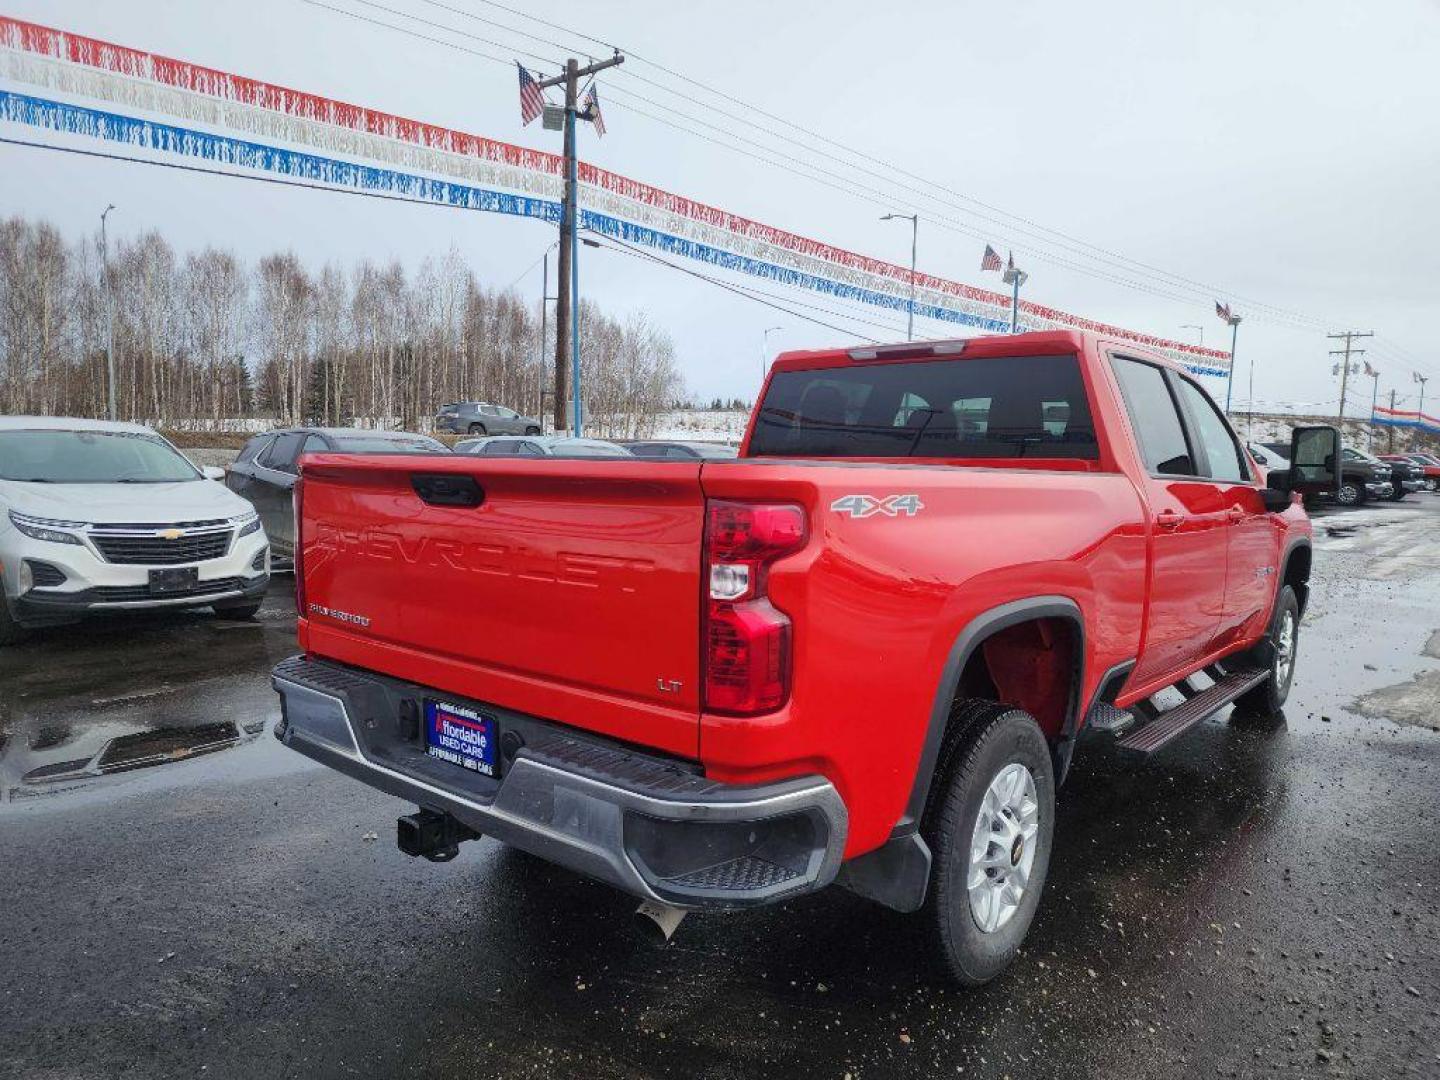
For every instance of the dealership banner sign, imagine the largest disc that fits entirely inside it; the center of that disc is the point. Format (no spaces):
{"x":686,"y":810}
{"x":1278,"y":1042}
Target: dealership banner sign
{"x":237,"y":122}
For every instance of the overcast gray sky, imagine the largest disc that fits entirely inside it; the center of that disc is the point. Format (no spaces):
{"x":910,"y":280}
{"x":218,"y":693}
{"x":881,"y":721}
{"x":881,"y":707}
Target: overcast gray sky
{"x":1287,"y":152}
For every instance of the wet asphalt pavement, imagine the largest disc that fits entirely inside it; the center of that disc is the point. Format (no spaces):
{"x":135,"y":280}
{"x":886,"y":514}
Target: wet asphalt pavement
{"x":1250,"y":903}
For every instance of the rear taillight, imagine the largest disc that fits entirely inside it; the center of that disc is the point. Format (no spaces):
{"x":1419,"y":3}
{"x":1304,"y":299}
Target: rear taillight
{"x":297,"y":496}
{"x":747,"y":639}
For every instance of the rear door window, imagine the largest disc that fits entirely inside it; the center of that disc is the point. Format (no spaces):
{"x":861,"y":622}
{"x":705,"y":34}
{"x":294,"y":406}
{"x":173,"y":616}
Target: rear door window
{"x":284,"y":451}
{"x":994,"y":407}
{"x":1155,"y":418}
{"x":251,"y":450}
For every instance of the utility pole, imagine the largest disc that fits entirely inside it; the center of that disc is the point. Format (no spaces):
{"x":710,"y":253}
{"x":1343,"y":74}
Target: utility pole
{"x":545,"y":298}
{"x":111,"y":408}
{"x":567,"y":323}
{"x":1349,"y":337}
{"x":914,"y":220}
{"x":1234,"y":321}
{"x":1391,"y":435}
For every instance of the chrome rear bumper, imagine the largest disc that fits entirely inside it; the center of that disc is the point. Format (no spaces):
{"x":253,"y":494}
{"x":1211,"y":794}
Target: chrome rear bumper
{"x":648,"y":826}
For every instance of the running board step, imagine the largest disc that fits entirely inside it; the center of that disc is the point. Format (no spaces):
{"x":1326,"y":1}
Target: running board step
{"x":1170,"y":725}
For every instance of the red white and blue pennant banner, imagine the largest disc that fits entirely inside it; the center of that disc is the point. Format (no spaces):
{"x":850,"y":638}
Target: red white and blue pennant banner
{"x":492,"y":175}
{"x":1400,"y":418}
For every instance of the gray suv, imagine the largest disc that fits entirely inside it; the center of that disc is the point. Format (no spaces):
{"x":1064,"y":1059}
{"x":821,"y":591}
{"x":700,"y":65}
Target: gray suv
{"x":483,"y":418}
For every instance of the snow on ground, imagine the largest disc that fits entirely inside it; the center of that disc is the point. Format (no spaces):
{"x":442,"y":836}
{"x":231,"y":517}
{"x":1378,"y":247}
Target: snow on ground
{"x":703,"y":425}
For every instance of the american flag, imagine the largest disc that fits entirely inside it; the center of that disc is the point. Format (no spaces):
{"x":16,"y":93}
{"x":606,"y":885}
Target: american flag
{"x":1223,"y":310}
{"x":591,"y":107}
{"x":991,"y":261}
{"x":532,"y":101}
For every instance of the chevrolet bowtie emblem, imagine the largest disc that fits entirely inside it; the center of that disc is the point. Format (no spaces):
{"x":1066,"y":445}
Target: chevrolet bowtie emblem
{"x":172,"y":534}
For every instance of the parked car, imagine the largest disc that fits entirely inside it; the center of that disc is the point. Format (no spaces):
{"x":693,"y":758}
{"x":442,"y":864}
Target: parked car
{"x":266,"y":468}
{"x":679,"y":451}
{"x":1360,"y":480}
{"x":720,"y":684}
{"x":564,"y":446}
{"x":483,"y":418}
{"x":1430,"y":466}
{"x":1405,"y":475}
{"x":98,"y":516}
{"x":1381,"y":484}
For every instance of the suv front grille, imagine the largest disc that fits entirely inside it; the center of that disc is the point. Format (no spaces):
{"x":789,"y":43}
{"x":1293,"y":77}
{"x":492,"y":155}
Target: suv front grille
{"x":149,"y":548}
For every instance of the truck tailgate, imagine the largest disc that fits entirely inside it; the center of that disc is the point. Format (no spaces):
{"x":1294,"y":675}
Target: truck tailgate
{"x":571,"y":592}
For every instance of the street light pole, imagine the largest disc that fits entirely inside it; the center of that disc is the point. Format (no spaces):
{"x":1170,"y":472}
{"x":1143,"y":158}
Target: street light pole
{"x":914,"y":220}
{"x":111,"y":408}
{"x":1230,"y":374}
{"x":765,"y":352}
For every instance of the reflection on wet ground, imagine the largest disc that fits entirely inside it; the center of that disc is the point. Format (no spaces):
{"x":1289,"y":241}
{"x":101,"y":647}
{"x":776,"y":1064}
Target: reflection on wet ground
{"x":1256,"y":900}
{"x":127,"y":692}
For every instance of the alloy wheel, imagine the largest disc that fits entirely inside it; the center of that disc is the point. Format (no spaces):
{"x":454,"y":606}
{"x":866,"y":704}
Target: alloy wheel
{"x":1002,"y":847}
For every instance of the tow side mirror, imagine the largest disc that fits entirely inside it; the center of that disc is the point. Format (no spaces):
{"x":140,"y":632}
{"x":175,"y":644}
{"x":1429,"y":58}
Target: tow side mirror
{"x":1314,"y":460}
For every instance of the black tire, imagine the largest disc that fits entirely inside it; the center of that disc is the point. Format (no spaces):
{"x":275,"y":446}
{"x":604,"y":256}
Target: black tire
{"x":1432,"y":485}
{"x":247,"y":610}
{"x":1350,"y":493}
{"x":1397,"y":495}
{"x":532,"y":430}
{"x":477,"y":429}
{"x":11,"y":632}
{"x":988,"y":738}
{"x":1268,"y":698}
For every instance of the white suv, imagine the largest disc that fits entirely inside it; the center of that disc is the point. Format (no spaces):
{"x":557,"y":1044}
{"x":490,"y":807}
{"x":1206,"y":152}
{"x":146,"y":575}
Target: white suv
{"x":98,"y":516}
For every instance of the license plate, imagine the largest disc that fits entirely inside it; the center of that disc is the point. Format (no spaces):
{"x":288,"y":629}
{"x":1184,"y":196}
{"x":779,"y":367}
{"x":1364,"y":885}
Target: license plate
{"x":460,"y":736}
{"x":177,"y":580}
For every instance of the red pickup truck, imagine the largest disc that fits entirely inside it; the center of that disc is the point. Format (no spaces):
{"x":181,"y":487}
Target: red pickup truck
{"x":862,"y":652}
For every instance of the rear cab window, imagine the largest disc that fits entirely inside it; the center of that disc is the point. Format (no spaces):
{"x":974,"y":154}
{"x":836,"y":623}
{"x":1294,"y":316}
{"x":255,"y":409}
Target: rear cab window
{"x":1025,"y":407}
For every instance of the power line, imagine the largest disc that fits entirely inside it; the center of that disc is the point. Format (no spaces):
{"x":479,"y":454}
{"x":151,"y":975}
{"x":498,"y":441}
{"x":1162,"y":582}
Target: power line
{"x":1249,"y":302}
{"x":882,"y":198}
{"x":622,"y":246}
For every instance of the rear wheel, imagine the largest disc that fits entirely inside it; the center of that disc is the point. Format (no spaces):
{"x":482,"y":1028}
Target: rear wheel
{"x":989,"y":825}
{"x":1279,"y":650}
{"x":477,"y":429}
{"x":11,"y":632}
{"x":1350,"y":493}
{"x":1432,"y":484}
{"x":532,"y":430}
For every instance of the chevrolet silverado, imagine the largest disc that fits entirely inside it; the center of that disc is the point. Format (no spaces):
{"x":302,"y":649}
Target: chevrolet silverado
{"x":860,"y":653}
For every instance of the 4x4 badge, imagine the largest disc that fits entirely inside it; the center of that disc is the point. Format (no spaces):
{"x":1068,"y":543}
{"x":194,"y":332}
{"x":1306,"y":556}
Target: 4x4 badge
{"x":863,"y":506}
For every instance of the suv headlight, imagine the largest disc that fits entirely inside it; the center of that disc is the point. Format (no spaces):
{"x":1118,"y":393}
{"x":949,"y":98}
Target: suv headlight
{"x":249,"y":523}
{"x":46,"y":528}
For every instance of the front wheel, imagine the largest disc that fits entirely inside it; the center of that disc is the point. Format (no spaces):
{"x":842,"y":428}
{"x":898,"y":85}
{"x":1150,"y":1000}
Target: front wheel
{"x":989,"y":825}
{"x":1282,"y":644}
{"x":477,"y":429}
{"x":532,"y":430}
{"x":1350,"y":493}
{"x":1432,"y":485}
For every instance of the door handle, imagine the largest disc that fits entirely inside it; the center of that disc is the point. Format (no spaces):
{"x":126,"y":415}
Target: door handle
{"x":1169,"y":519}
{"x":1236,"y":514}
